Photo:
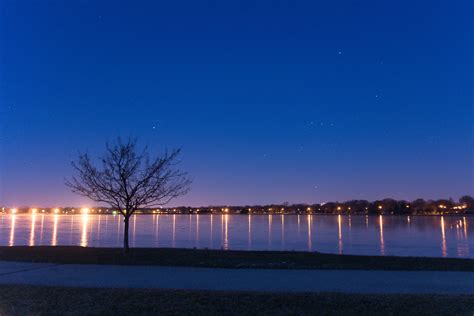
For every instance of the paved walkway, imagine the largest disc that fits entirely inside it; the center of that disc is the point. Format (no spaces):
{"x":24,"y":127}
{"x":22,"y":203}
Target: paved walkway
{"x":236,"y":279}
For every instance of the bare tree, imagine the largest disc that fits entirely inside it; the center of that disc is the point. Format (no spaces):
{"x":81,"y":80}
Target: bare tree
{"x":128,"y":179}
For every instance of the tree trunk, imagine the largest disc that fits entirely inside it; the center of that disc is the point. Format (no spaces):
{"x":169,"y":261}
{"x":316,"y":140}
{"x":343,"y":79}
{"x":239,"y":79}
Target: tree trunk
{"x":126,"y":247}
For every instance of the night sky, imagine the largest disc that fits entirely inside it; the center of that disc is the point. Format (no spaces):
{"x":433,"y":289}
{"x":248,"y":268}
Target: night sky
{"x":271,"y":101}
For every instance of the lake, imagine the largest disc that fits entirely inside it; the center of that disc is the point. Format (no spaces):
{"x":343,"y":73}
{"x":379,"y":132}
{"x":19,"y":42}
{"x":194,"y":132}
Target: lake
{"x":433,"y":236}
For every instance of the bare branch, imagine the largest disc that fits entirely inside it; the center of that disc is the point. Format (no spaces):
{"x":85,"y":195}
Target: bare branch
{"x":129,"y":179}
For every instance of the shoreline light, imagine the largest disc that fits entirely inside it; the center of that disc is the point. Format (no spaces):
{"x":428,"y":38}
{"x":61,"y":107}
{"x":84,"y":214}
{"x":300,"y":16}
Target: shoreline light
{"x":85,"y":210}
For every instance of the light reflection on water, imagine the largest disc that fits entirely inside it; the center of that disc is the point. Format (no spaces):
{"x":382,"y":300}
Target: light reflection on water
{"x":443,"y":238}
{"x":382,"y":239}
{"x":447,"y":236}
{"x":32,"y":231}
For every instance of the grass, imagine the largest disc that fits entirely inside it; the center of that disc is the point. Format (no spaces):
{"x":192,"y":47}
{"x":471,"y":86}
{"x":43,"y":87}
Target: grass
{"x":230,"y":259}
{"x":35,"y":300}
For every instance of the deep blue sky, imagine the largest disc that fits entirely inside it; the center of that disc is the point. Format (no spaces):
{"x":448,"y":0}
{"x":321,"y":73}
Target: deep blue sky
{"x":271,"y":101}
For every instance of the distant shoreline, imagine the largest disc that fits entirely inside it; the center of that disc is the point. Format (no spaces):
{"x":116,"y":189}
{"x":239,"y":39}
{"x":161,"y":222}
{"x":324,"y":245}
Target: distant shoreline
{"x":256,"y":214}
{"x":387,"y":206}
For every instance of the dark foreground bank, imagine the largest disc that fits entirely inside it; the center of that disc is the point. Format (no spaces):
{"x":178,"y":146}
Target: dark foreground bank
{"x":230,"y":259}
{"x":28,"y":300}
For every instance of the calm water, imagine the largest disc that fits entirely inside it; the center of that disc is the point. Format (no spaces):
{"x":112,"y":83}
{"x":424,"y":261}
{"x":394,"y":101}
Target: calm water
{"x":449,"y":236}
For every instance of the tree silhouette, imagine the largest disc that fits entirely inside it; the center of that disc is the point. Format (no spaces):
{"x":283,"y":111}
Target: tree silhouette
{"x":467,"y":201}
{"x":128,"y":180}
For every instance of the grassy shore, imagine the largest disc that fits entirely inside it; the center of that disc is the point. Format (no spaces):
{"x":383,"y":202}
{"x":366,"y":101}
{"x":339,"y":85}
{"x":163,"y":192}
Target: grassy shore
{"x":229,"y":259}
{"x":28,"y":300}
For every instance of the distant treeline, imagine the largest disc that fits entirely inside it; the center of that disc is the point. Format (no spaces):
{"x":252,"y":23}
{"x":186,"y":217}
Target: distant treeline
{"x":388,"y":206}
{"x":465,"y":205}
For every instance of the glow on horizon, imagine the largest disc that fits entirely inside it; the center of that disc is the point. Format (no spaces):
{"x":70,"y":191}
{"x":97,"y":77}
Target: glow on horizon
{"x":85,"y":210}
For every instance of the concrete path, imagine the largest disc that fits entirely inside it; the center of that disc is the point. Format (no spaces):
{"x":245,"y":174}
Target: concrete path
{"x":347,"y":281}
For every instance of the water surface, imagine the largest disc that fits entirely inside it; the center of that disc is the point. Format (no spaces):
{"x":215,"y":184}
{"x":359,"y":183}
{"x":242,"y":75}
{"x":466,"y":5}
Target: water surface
{"x":433,"y":236}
